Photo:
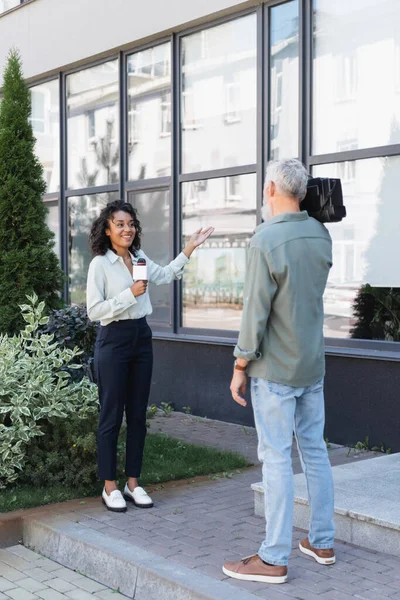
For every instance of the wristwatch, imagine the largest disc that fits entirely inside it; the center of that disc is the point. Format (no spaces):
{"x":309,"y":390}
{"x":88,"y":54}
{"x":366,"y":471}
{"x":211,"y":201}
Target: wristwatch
{"x":238,"y":367}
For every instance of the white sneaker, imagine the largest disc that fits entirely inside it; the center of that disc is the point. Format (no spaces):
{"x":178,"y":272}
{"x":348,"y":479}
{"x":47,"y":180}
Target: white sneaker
{"x":139,"y":497}
{"x":114,"y":501}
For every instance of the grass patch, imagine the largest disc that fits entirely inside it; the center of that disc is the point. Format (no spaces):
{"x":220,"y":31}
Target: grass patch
{"x":165,"y":459}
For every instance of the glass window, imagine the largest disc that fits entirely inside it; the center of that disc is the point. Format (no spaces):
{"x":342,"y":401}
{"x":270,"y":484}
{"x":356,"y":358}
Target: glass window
{"x":219,"y":93}
{"x":92,"y":127}
{"x":284,"y":90}
{"x":82,"y":211}
{"x":45,"y":119}
{"x":154,"y":216}
{"x":366,"y":244}
{"x":8,"y":4}
{"x":356,"y":74}
{"x":53,"y":222}
{"x":149,"y":113}
{"x":214,"y":278}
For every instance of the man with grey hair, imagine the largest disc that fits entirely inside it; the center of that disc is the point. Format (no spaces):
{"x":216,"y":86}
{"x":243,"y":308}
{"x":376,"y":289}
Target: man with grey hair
{"x":281,"y":347}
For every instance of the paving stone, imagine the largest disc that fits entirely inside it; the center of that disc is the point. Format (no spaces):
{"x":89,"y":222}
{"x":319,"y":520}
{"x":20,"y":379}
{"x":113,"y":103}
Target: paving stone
{"x":20,"y":594}
{"x":5,"y":584}
{"x":32,"y":585}
{"x":25,"y":553}
{"x":48,"y":565}
{"x":38,"y":574}
{"x":337,"y":595}
{"x":89,"y":585}
{"x":10,"y":573}
{"x":370,"y":595}
{"x":51,"y":595}
{"x":60,"y":585}
{"x":12,"y":560}
{"x":83,"y":595}
{"x":371,"y":566}
{"x":66,"y":574}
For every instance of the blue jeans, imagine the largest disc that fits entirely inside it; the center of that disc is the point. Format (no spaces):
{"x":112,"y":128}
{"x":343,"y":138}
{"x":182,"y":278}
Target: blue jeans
{"x":278,"y":411}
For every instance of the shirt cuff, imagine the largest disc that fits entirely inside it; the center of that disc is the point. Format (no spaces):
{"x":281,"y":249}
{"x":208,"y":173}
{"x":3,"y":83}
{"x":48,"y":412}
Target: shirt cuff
{"x":127,"y":298}
{"x":180,"y":261}
{"x":248,"y":355}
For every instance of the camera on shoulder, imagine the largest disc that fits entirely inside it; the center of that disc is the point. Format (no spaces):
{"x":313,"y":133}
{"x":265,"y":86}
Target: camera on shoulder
{"x":324,"y":200}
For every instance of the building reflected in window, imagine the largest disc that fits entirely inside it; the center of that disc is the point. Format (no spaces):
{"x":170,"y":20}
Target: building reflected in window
{"x":149,"y":113}
{"x":219,"y":94}
{"x":45,"y":120}
{"x":93,"y":126}
{"x":214,"y":279}
{"x":365,"y":244}
{"x":284,"y":92}
{"x":82,"y":211}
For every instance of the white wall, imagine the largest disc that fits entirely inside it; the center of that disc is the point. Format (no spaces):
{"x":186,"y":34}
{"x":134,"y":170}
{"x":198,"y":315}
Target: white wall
{"x":55,"y":33}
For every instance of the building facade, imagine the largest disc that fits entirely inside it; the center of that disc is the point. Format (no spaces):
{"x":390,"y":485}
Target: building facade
{"x":177,"y":107}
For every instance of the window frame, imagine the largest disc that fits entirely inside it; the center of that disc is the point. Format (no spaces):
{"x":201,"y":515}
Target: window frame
{"x":368,"y":349}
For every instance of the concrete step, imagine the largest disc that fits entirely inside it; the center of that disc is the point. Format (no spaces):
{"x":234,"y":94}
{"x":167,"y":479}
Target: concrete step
{"x":119,"y":565}
{"x":367,"y":505}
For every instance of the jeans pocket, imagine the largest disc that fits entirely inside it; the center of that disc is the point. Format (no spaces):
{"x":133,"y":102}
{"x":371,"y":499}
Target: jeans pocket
{"x":317,"y":387}
{"x":279,"y":389}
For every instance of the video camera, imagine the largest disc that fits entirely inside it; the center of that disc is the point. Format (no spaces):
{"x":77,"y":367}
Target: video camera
{"x":324,"y":200}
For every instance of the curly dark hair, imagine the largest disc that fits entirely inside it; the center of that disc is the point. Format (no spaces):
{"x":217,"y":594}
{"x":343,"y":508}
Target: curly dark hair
{"x":99,"y":241}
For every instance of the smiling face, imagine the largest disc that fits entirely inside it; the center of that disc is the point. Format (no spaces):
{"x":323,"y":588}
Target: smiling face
{"x":121,"y":231}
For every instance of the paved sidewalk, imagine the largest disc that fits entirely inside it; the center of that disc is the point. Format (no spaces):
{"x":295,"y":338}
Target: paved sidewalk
{"x":238,"y":438}
{"x":201,"y":524}
{"x":25,"y":575}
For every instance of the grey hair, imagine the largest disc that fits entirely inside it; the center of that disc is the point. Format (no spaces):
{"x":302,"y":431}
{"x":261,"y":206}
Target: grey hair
{"x":290,"y":177}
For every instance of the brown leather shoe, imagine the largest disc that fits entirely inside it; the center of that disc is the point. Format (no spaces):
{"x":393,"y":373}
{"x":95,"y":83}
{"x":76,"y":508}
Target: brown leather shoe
{"x":322,"y":556}
{"x":252,"y":568}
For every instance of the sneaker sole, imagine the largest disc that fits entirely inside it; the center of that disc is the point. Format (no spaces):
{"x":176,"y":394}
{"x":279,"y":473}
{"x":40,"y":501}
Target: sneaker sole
{"x":258,"y":578}
{"x":130,"y":499}
{"x":118,"y":510}
{"x":321,"y":561}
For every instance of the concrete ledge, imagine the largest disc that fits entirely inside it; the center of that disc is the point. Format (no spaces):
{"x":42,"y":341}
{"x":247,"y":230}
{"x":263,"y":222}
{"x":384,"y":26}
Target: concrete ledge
{"x":367,"y":509}
{"x":119,"y":565}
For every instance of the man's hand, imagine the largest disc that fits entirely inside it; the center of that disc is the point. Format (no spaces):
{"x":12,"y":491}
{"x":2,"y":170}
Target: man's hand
{"x":238,"y":387}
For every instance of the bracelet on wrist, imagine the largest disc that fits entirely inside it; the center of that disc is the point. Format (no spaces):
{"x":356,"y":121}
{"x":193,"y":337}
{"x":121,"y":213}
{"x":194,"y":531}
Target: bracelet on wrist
{"x":239,"y":367}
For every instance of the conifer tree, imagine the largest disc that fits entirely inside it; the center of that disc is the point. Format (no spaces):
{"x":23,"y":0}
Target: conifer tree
{"x":27,"y":260}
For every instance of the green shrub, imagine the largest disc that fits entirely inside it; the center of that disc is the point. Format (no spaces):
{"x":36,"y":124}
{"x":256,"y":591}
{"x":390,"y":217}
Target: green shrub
{"x":27,"y":259}
{"x":36,"y":388}
{"x":377,"y":314}
{"x":71,"y":327}
{"x":66,"y":454}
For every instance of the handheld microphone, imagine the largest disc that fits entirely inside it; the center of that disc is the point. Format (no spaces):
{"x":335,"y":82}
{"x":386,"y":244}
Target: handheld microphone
{"x":140,"y":270}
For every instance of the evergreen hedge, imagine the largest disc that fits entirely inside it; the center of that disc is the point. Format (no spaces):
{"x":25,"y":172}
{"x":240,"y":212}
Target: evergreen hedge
{"x":28,"y":263}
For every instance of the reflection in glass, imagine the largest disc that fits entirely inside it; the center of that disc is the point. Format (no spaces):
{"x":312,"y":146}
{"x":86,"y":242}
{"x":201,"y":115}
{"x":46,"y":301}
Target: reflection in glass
{"x":82,"y":211}
{"x":356,"y":74}
{"x":154,"y":217}
{"x":219,"y":92}
{"x":366,"y":245}
{"x":53,"y":222}
{"x":45,"y":119}
{"x":8,"y":4}
{"x":214,"y":279}
{"x":92,"y":127}
{"x":284,"y":52}
{"x":149,"y":113}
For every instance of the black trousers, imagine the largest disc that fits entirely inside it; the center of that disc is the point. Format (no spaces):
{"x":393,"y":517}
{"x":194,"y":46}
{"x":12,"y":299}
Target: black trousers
{"x":123,"y":362}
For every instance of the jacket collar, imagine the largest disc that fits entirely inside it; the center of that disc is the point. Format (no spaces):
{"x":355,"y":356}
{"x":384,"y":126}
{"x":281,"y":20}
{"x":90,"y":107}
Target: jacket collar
{"x":284,"y":218}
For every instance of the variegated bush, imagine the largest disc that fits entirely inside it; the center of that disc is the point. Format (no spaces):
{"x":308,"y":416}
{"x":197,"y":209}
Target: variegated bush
{"x":34,"y":387}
